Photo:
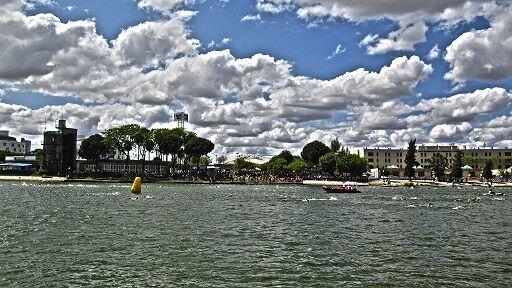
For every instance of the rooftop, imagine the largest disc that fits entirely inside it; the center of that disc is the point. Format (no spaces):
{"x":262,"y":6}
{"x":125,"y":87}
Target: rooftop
{"x":7,"y":138}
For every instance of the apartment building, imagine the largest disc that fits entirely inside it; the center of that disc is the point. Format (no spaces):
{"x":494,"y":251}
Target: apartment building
{"x":10,"y":144}
{"x":387,"y":157}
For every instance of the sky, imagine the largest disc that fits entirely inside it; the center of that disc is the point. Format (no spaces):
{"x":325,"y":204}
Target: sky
{"x":260,"y":76}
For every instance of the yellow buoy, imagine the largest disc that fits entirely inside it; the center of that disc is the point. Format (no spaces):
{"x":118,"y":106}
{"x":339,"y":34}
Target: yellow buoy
{"x":137,"y":185}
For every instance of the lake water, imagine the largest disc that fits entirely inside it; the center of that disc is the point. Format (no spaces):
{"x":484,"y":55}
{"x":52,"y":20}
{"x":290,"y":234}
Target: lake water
{"x":76,"y":235}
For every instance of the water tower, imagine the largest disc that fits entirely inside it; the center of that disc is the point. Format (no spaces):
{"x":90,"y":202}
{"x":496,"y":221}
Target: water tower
{"x":181,"y":118}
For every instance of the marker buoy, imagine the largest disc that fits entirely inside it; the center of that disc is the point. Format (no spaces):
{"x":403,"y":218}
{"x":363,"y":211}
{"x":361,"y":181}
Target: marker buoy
{"x":137,"y":185}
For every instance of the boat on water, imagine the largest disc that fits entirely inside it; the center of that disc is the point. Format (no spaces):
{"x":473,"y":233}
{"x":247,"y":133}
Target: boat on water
{"x":340,"y":189}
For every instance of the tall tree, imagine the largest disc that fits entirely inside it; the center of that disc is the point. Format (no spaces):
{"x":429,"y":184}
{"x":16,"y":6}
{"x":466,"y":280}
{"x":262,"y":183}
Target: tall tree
{"x":313,"y":151}
{"x":457,"y":166}
{"x":197,"y":147}
{"x":287,"y":156}
{"x":335,"y":146}
{"x":438,"y":164}
{"x":488,"y":170}
{"x":351,"y":164}
{"x":121,"y":139}
{"x":138,"y":139}
{"x":328,"y":163}
{"x":277,"y":164}
{"x":297,"y":165}
{"x":146,"y":145}
{"x":94,"y":148}
{"x":410,"y":159}
{"x":167,"y":142}
{"x":176,"y":145}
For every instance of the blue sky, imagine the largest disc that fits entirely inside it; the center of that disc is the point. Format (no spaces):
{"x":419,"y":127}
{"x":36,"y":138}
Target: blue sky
{"x":321,"y":46}
{"x":284,"y":36}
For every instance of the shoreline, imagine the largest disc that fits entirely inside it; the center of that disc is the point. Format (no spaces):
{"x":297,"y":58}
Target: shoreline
{"x":374,"y":183}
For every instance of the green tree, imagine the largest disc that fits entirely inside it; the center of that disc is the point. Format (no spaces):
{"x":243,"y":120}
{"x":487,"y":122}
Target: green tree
{"x":279,"y":163}
{"x":297,"y":165}
{"x":328,"y":163}
{"x":466,"y":160}
{"x":457,"y":166}
{"x":488,"y":170}
{"x":163,"y":141}
{"x":204,"y":160}
{"x":137,"y":138}
{"x":438,"y":164}
{"x":276,"y":165}
{"x":313,"y":151}
{"x":146,"y":145}
{"x":221,"y":159}
{"x":286,"y":155}
{"x":93,"y":149}
{"x":385,"y":171}
{"x":241,"y":163}
{"x":121,"y":139}
{"x":335,"y":146}
{"x":197,"y":147}
{"x":179,"y":153}
{"x":38,"y":153}
{"x":169,"y":142}
{"x":410,"y":159}
{"x":351,"y":164}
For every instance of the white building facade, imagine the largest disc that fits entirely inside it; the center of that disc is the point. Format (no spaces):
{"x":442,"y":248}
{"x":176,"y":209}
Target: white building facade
{"x":387,"y":157}
{"x":10,"y":144}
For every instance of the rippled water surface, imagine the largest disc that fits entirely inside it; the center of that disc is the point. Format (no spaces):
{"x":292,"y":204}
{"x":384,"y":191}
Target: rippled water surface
{"x":73,"y":235}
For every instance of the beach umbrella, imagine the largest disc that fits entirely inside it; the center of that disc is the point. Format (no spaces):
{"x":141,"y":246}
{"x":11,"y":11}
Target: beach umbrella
{"x":467,"y":167}
{"x":418,"y":168}
{"x":392,"y":167}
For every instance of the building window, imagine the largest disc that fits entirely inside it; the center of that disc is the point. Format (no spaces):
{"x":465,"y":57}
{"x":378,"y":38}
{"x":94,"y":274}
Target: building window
{"x":370,"y":159}
{"x":370,"y":154}
{"x":508,"y":153}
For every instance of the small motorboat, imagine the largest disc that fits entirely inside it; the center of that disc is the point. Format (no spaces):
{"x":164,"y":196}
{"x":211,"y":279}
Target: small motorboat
{"x":340,"y":189}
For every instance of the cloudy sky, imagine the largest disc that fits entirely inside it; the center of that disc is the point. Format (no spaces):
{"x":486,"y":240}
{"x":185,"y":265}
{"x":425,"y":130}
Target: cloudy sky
{"x":259,"y":76}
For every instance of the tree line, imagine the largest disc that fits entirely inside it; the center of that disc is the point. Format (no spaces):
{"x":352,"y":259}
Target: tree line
{"x":315,"y":158}
{"x":178,"y":144}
